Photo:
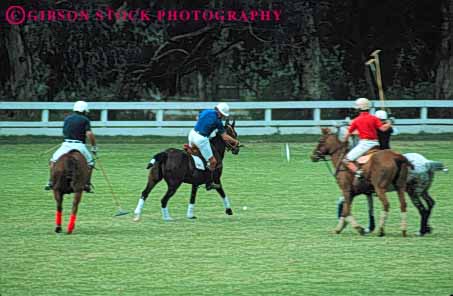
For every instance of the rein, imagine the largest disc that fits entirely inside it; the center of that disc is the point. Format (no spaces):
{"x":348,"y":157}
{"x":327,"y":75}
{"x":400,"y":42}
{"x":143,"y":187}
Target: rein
{"x":337,"y":165}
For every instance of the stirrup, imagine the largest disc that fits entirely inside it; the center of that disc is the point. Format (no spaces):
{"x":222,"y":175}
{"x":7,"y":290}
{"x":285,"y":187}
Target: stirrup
{"x":359,"y":174}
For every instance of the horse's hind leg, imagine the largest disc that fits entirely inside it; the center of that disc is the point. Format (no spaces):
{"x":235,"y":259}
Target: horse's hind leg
{"x":403,"y":208}
{"x":75,"y":208}
{"x":430,"y":203}
{"x":164,"y":201}
{"x":59,"y":200}
{"x":415,"y":198}
{"x":152,"y":181}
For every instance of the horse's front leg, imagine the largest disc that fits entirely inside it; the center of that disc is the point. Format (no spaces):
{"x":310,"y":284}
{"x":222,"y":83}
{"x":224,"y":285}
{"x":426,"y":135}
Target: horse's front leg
{"x":226,"y":200}
{"x":75,"y":208}
{"x":346,"y":216}
{"x":371,"y":220}
{"x":59,"y":200}
{"x":191,"y":206}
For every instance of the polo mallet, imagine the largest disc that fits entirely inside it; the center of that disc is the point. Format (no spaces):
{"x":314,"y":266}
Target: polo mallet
{"x":375,"y":67}
{"x":121,"y":212}
{"x":49,"y":150}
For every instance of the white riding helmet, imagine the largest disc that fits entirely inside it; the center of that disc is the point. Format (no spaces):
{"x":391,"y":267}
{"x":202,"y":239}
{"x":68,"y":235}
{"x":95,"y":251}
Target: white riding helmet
{"x":381,"y":114}
{"x":362,"y":104}
{"x":223,"y":108}
{"x":80,"y":106}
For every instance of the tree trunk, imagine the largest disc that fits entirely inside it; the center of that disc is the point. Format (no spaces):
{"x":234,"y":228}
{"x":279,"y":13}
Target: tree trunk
{"x":201,"y":86}
{"x":311,"y":73}
{"x":444,"y":75}
{"x":20,"y":65}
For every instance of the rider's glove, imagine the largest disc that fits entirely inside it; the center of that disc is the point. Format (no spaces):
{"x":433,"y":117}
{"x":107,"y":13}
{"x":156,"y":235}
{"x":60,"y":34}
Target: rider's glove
{"x":94,"y":150}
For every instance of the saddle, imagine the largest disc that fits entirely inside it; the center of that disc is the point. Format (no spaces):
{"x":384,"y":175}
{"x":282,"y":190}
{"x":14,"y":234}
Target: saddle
{"x":366,"y":157}
{"x":198,"y":159}
{"x":192,"y":150}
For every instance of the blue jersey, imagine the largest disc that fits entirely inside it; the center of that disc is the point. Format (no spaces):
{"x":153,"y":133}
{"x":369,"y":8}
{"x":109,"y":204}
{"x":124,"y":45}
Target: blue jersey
{"x":208,"y":121}
{"x":75,"y":127}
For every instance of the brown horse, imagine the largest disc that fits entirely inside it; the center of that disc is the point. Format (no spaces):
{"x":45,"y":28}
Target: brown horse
{"x":70,"y":174}
{"x":384,"y":171}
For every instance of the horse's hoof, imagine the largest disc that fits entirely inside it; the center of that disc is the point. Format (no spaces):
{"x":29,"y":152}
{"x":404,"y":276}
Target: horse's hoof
{"x":229,"y":211}
{"x":136,"y":218}
{"x":168,"y":219}
{"x":336,"y":231}
{"x":404,"y":232}
{"x":429,"y":229}
{"x":381,"y":233}
{"x":69,"y":232}
{"x":58,"y":229}
{"x":193,"y":217}
{"x":360,"y":230}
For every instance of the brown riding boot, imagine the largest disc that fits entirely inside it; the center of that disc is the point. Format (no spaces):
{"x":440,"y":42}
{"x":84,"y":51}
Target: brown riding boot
{"x":210,"y":183}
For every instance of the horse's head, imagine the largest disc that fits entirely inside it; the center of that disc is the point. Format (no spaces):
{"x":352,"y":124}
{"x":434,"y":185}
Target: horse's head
{"x":231,"y":131}
{"x":327,"y":145}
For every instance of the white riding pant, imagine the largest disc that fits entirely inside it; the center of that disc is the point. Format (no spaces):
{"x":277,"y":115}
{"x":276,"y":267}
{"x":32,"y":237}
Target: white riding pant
{"x":361,"y":149}
{"x":68,"y":146}
{"x":202,"y":143}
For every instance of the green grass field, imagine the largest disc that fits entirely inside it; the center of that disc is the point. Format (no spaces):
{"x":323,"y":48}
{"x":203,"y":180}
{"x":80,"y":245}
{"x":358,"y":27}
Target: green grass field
{"x":281,"y":245}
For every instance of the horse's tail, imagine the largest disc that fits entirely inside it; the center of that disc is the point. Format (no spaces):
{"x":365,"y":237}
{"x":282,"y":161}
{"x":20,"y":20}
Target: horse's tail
{"x":403,"y":165}
{"x":73,"y":172}
{"x":436,"y":166}
{"x":156,"y":164}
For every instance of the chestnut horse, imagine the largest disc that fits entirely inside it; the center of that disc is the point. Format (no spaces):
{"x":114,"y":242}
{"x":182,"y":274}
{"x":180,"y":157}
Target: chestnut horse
{"x":176,"y":166}
{"x":385,"y":170}
{"x":70,"y":174}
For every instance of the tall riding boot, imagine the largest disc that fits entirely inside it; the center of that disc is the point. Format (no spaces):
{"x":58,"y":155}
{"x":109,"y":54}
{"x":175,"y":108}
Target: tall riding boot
{"x":210,"y":183}
{"x":49,"y":185}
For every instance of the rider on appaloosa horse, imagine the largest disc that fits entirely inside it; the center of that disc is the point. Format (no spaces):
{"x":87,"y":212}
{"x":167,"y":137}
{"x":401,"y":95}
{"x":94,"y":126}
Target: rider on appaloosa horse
{"x":75,"y":130}
{"x":208,"y":121}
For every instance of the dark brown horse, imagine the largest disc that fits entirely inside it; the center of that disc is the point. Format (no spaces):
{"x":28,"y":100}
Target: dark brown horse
{"x":70,"y":174}
{"x":176,"y":166}
{"x":385,"y":170}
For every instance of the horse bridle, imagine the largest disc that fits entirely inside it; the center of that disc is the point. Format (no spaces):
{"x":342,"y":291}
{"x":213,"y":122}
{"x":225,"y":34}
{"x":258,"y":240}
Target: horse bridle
{"x":322,"y":156}
{"x":229,"y":146}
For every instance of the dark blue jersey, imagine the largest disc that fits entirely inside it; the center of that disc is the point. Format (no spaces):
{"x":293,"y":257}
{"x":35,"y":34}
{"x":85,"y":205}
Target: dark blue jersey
{"x":208,"y":121}
{"x":75,"y":127}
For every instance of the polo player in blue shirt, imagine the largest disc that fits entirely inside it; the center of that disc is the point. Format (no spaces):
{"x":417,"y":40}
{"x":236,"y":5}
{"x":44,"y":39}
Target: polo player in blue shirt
{"x":76,"y":128}
{"x":208,"y":121}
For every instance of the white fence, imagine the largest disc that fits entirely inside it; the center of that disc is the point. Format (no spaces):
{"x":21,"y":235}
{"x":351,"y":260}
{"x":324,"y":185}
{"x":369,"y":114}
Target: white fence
{"x":421,"y":122}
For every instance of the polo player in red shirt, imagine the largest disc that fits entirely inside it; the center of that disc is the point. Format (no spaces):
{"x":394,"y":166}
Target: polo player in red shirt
{"x":367,"y":126}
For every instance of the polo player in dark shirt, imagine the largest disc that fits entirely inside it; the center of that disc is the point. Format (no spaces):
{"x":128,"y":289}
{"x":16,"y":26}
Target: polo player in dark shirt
{"x":76,"y":128}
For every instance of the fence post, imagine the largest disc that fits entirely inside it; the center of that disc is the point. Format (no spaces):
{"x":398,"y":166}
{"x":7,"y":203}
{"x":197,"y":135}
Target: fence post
{"x":423,"y":117}
{"x":45,"y":115}
{"x":268,"y":117}
{"x":104,"y":116}
{"x":159,"y":117}
{"x":317,"y":114}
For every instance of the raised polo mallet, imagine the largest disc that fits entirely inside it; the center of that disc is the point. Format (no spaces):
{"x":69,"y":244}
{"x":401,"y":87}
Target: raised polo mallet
{"x":120,"y":212}
{"x":375,"y":55}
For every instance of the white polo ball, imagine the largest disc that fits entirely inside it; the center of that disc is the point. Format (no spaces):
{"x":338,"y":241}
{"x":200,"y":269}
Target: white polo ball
{"x":244,"y":208}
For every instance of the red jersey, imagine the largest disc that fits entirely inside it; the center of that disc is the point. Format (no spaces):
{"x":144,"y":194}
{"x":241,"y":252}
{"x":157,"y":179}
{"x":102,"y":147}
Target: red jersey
{"x":367,"y":126}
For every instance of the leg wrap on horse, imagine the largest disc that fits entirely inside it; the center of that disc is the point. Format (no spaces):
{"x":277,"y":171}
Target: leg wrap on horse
{"x":383,"y":218}
{"x":71,"y":224}
{"x":403,"y":220}
{"x":58,"y":219}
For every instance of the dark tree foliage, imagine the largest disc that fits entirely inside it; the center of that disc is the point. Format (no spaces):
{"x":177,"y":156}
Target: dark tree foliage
{"x":317,"y":51}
